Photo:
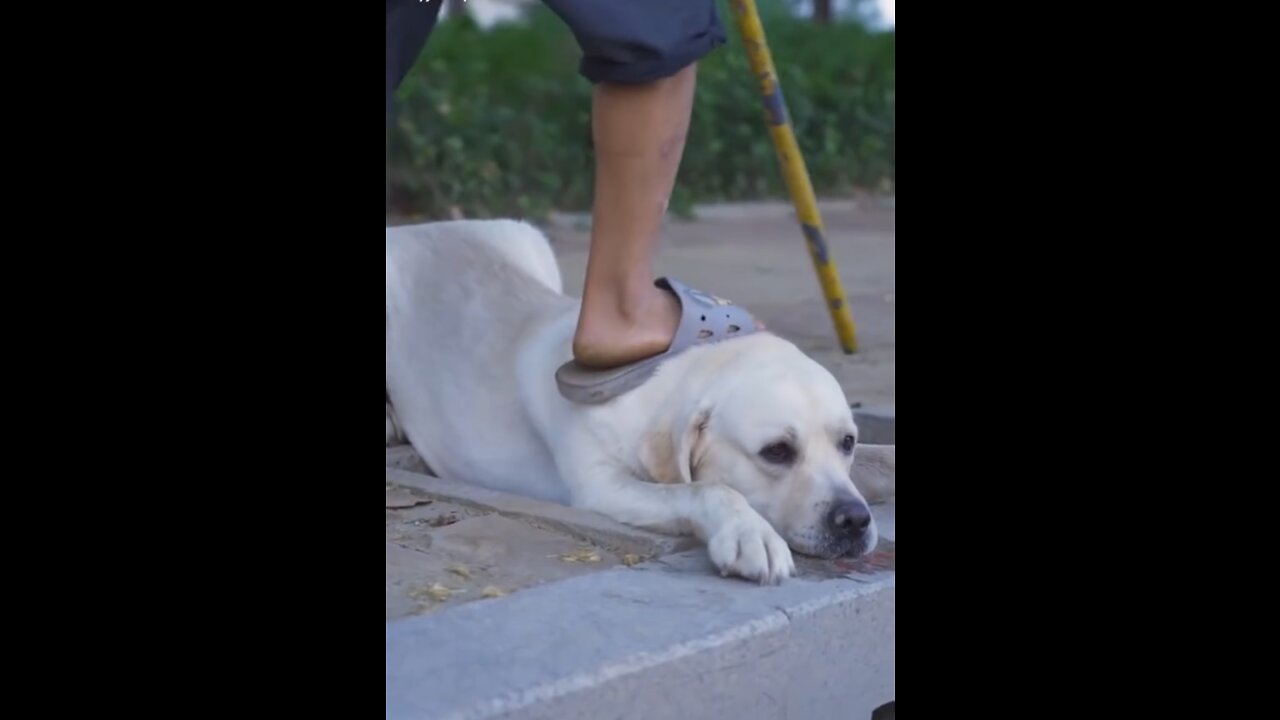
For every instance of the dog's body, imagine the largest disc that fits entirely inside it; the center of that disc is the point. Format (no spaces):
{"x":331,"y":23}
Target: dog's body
{"x":722,"y":437}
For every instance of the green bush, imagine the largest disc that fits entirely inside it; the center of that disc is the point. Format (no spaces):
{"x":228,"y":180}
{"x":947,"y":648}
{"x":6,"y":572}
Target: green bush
{"x":497,"y":123}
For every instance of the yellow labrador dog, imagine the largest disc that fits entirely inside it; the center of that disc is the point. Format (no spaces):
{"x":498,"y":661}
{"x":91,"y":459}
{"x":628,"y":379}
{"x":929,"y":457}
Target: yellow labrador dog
{"x":746,"y":443}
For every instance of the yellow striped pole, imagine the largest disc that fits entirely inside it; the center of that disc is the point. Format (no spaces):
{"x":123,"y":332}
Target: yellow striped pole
{"x":794,"y":171}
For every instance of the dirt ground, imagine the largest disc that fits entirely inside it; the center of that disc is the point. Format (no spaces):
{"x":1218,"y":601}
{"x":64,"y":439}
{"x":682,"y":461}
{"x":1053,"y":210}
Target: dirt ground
{"x":440,"y":554}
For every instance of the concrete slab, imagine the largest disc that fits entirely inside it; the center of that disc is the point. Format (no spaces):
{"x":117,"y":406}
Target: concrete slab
{"x":875,"y":469}
{"x":669,"y":638}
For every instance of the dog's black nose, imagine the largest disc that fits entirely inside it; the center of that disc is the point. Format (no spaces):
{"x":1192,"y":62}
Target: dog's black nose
{"x":849,"y":517}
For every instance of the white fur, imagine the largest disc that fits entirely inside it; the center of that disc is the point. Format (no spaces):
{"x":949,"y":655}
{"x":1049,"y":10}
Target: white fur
{"x":477,"y":325}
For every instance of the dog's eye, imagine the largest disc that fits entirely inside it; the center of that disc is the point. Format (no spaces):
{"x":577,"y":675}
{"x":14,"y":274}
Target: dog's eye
{"x":846,"y":445}
{"x":779,"y":453}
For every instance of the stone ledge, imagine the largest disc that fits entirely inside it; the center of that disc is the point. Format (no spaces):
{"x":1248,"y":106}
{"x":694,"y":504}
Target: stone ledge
{"x":665,"y":639}
{"x":876,"y":425}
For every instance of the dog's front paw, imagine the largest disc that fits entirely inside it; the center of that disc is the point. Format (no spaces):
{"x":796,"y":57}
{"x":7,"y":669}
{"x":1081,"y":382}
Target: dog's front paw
{"x":750,"y":548}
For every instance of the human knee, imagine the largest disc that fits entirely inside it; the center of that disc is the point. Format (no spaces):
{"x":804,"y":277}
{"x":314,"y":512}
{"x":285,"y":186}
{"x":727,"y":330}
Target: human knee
{"x":630,"y":42}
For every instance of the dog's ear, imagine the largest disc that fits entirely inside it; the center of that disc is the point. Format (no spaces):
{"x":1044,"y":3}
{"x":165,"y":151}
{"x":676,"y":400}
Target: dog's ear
{"x":672,"y":448}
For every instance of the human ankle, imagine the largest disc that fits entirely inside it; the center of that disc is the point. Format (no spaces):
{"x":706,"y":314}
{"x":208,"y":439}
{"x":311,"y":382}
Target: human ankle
{"x":627,"y":300}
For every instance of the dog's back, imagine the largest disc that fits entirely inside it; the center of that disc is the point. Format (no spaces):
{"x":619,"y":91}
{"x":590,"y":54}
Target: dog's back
{"x":461,"y":296}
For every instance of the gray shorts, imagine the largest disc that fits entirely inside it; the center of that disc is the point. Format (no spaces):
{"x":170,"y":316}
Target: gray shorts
{"x":622,"y":41}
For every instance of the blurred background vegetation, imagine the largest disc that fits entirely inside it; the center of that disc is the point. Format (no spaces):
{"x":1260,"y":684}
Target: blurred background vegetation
{"x":496,"y":122}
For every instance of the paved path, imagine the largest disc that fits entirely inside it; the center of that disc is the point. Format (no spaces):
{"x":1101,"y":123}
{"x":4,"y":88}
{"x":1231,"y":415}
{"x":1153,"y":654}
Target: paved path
{"x":754,"y":254}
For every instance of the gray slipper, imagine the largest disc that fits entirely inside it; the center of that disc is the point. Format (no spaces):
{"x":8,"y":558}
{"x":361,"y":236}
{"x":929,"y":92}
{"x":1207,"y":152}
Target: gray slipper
{"x":704,"y":319}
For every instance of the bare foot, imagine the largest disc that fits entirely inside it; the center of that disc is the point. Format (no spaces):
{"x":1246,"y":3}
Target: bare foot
{"x":611,"y":337}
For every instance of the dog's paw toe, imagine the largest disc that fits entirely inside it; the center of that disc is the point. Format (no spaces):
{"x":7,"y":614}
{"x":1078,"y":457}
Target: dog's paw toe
{"x":752,"y":551}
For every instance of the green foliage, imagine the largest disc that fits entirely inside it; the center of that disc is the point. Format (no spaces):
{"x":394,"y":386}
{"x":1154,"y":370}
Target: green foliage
{"x":497,"y":123}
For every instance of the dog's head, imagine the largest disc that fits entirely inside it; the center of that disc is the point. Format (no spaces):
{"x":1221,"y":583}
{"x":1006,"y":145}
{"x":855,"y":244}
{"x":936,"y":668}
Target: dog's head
{"x":774,"y":425}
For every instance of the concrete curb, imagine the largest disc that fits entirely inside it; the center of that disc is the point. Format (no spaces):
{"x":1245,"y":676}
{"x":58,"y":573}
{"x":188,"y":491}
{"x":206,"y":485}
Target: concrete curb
{"x":876,"y":425}
{"x":667,"y":639}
